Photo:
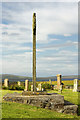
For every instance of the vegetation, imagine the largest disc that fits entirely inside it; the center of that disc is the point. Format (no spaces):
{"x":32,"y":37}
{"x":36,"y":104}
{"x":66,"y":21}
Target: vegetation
{"x":46,"y":86}
{"x":13,"y":87}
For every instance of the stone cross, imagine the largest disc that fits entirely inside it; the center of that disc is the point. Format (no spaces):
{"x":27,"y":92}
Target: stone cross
{"x":58,"y":81}
{"x":34,"y":52}
{"x":26,"y":85}
{"x":19,"y":83}
{"x":75,"y":89}
{"x":6,"y":82}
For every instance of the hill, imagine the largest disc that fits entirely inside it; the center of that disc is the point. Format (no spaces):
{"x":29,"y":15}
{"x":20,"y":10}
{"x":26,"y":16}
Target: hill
{"x":16,"y":78}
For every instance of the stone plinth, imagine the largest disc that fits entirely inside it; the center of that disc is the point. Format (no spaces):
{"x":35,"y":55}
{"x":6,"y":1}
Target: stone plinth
{"x":58,"y":81}
{"x":52,"y":101}
{"x":6,"y":82}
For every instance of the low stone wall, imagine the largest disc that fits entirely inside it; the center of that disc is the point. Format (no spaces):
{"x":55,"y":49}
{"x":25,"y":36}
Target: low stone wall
{"x":50,"y":101}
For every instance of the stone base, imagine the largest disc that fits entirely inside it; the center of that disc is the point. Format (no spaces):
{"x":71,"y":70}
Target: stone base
{"x":70,"y":109}
{"x":49,"y":101}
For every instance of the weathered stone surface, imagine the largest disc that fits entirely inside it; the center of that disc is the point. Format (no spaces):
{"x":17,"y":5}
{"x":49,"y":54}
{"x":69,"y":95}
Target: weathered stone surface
{"x":34,"y":93}
{"x":49,"y":101}
{"x":34,"y":52}
{"x":70,"y":109}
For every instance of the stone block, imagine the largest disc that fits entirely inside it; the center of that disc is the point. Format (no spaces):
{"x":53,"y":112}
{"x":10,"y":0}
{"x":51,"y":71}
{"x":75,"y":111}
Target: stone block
{"x":70,"y":109}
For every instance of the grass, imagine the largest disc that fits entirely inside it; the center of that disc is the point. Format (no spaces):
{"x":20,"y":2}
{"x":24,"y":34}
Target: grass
{"x":66,"y":82}
{"x":17,"y":110}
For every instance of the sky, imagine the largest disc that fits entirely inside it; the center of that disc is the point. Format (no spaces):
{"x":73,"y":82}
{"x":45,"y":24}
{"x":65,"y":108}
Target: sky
{"x":57,"y":38}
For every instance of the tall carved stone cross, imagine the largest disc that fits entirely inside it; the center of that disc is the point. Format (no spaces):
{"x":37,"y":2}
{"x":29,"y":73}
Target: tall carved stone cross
{"x":34,"y":52}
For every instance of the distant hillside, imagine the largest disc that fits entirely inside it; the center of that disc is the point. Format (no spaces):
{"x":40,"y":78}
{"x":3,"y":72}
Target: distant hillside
{"x":16,"y":78}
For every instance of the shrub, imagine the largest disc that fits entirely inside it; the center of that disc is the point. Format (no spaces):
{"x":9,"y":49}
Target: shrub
{"x":46,"y":86}
{"x":19,"y":87}
{"x":12,"y":87}
{"x":29,"y":88}
{"x":5,"y":88}
{"x":16,"y":87}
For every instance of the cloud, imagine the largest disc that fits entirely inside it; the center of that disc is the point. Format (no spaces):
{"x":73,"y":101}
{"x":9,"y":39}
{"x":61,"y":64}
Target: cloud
{"x":51,"y":19}
{"x":53,"y":56}
{"x":67,"y":35}
{"x":57,"y":46}
{"x":40,"y":0}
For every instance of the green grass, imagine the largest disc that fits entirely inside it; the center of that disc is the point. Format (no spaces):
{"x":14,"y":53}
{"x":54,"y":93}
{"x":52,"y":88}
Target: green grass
{"x":17,"y":110}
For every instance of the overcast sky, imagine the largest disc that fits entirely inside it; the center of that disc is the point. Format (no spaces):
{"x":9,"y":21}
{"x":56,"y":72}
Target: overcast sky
{"x":57,"y":38}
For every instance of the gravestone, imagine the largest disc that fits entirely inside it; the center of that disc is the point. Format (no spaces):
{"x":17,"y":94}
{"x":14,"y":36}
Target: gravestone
{"x":19,"y":83}
{"x":31,"y":87}
{"x":55,"y":87}
{"x":39,"y":87}
{"x":75,"y":89}
{"x":58,"y":81}
{"x":50,"y":81}
{"x":60,"y":88}
{"x":6,"y":82}
{"x":26,"y":85}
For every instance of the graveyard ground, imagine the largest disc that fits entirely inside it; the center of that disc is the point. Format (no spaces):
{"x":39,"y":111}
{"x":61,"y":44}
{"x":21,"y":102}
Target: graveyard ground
{"x":17,"y":110}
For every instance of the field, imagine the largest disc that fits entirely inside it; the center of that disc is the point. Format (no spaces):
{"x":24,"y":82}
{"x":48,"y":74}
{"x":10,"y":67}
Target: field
{"x":17,"y":110}
{"x":67,"y":82}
